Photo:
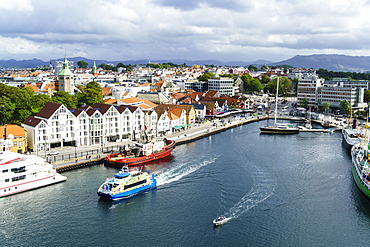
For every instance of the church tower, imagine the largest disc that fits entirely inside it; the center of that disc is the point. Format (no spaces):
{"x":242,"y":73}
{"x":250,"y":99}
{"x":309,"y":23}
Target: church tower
{"x":66,"y":79}
{"x":93,"y":70}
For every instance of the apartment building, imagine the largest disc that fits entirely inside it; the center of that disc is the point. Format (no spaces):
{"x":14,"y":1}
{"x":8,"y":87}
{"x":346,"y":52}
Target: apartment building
{"x":55,"y":125}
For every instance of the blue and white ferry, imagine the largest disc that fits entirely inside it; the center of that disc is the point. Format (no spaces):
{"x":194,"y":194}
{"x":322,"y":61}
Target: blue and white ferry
{"x":125,"y":184}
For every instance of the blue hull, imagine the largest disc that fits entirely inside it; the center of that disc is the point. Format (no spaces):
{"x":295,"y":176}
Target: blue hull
{"x":130,"y":193}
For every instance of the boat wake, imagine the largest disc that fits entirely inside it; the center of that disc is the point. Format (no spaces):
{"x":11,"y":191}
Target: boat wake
{"x":185,"y":168}
{"x":263,"y":187}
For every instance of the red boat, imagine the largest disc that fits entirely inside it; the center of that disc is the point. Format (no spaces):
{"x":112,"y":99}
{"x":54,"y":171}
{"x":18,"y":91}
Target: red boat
{"x":139,"y":153}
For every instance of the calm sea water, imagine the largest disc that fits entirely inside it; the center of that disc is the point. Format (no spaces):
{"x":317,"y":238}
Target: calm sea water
{"x":293,"y":190}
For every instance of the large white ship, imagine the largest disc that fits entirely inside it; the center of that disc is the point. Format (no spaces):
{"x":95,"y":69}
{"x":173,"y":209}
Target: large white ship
{"x":20,"y":172}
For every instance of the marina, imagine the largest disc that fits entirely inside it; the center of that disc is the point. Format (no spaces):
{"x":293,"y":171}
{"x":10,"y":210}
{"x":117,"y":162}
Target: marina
{"x":228,"y":174}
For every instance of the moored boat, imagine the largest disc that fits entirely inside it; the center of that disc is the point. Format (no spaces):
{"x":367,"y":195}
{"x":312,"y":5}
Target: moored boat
{"x":352,"y":137}
{"x":279,"y":128}
{"x":125,"y":184}
{"x":139,"y":153}
{"x":361,"y":168}
{"x":20,"y":172}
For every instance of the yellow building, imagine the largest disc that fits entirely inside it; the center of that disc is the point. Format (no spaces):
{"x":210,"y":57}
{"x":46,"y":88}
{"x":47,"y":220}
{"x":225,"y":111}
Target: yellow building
{"x":19,"y":137}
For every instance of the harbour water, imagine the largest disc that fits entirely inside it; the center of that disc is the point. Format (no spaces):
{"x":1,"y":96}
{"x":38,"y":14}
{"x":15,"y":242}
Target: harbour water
{"x":288,"y":190}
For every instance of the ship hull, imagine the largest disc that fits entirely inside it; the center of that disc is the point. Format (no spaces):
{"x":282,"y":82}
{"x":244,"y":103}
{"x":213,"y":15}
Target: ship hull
{"x":24,"y":186}
{"x":360,"y":171}
{"x":130,"y":193}
{"x":272,"y":130}
{"x":138,"y":160}
{"x":359,"y":183}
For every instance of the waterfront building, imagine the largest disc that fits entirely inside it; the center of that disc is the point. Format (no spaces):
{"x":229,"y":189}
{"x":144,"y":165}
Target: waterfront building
{"x":18,"y":137}
{"x":307,"y":88}
{"x":318,"y":91}
{"x":188,"y":109}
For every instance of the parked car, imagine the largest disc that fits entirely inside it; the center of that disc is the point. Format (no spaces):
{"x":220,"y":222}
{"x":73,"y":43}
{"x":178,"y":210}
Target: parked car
{"x":54,"y":152}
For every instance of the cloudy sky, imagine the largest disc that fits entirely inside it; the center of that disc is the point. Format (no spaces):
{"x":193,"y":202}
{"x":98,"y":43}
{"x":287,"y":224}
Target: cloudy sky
{"x":226,"y":30}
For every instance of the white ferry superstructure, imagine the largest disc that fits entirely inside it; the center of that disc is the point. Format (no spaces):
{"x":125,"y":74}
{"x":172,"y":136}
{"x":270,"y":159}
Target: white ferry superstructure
{"x":20,"y":172}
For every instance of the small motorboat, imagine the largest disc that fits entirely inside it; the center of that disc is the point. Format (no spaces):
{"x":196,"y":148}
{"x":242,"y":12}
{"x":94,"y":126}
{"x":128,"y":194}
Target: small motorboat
{"x":220,"y":220}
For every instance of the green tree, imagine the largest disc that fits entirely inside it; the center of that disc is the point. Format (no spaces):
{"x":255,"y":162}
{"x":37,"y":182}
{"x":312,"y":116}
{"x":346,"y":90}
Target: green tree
{"x":39,"y":101}
{"x":304,"y":103}
{"x":255,"y":86}
{"x":6,"y":110}
{"x":89,"y":97}
{"x":82,"y":64}
{"x":285,"y":86}
{"x":246,"y":78}
{"x":64,"y":98}
{"x":232,"y":76}
{"x":252,"y":68}
{"x":295,"y":84}
{"x":264,"y":67}
{"x":265,"y":79}
{"x":206,"y":76}
{"x":93,"y":85}
{"x":367,"y":96}
{"x":344,"y":106}
{"x":325,"y":106}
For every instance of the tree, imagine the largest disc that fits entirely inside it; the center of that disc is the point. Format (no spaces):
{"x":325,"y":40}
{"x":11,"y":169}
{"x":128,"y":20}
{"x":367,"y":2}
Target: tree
{"x":205,"y":76}
{"x":39,"y":101}
{"x":82,"y":64}
{"x":265,"y":79}
{"x":255,"y":86}
{"x":64,"y":98}
{"x":344,"y":106}
{"x":285,"y":85}
{"x":93,"y":85}
{"x":89,"y":97}
{"x":246,"y":78}
{"x":325,"y":106}
{"x":304,"y":103}
{"x":252,"y":68}
{"x":264,"y":67}
{"x":6,"y":110}
{"x":367,"y":96}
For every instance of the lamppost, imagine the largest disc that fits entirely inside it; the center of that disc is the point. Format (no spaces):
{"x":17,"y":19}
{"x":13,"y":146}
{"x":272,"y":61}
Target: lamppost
{"x":76,"y":141}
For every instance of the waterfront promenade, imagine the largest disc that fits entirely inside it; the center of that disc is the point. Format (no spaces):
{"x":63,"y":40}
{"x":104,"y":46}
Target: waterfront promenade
{"x":76,"y":157}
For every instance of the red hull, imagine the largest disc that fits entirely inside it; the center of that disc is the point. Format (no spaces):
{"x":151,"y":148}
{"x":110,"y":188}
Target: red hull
{"x":142,"y":159}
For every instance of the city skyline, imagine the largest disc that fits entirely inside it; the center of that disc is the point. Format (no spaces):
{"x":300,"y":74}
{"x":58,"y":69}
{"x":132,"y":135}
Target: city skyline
{"x":228,"y":30}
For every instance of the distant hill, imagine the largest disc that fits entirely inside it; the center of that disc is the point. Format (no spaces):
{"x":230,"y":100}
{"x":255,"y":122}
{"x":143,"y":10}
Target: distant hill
{"x":33,"y":63}
{"x":330,"y":62}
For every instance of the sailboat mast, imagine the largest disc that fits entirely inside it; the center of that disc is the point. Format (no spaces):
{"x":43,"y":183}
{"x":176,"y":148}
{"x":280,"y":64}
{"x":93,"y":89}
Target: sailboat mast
{"x":276,"y":100}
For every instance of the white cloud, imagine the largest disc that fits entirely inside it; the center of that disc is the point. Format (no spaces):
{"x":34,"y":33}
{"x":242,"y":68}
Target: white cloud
{"x":195,"y":29}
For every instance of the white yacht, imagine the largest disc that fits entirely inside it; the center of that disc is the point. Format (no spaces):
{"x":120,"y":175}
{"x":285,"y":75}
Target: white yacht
{"x":21,"y":172}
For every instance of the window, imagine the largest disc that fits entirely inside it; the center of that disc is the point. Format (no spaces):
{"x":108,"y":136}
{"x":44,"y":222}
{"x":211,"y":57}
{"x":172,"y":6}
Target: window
{"x":14,"y":144}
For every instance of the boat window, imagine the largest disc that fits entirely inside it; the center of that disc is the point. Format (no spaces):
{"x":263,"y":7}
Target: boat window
{"x":5,"y":170}
{"x":18,"y":178}
{"x":135,"y":184}
{"x":7,"y":180}
{"x":18,"y":170}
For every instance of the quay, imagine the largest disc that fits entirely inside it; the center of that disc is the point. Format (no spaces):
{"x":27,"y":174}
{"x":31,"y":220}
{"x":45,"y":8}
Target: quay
{"x":196,"y":132}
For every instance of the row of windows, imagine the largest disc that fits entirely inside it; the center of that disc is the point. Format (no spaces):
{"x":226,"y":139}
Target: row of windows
{"x":17,"y":178}
{"x":17,"y":143}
